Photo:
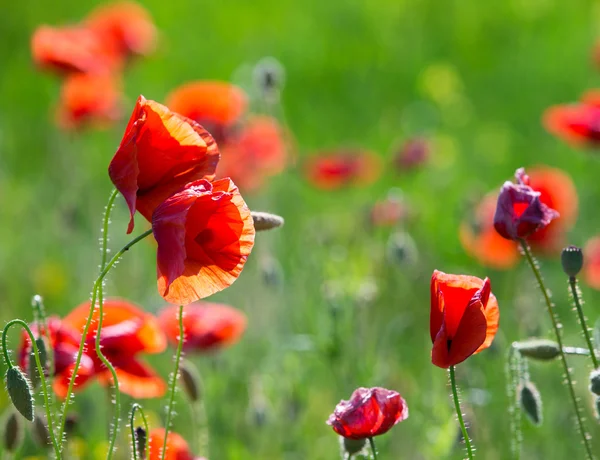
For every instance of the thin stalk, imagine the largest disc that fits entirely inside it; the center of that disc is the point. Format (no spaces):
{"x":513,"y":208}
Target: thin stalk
{"x":514,"y":410}
{"x":372,"y":444}
{"x":173,"y":382}
{"x":105,"y":224}
{"x":582,"y":321}
{"x":40,"y":369}
{"x":86,"y":328}
{"x":136,"y":407}
{"x":563,"y":358}
{"x":459,"y":415}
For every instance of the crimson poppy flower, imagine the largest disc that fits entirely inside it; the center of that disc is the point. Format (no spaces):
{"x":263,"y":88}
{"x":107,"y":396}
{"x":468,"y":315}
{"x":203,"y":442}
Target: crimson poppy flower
{"x":177,"y":447}
{"x":464,"y":317}
{"x":411,"y":154}
{"x":126,"y":25}
{"x":216,"y":105}
{"x":72,"y":49}
{"x":89,"y":98}
{"x":578,"y":123}
{"x":126,"y":332}
{"x":161,"y":151}
{"x":207,"y":326}
{"x":204,"y":234}
{"x":64,"y":341}
{"x":591,"y":264}
{"x":369,"y":412}
{"x":520,"y":212}
{"x":334,"y":170}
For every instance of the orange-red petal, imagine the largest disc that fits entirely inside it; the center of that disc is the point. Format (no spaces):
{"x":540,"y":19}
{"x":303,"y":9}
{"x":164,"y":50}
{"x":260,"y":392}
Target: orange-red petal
{"x":177,"y":447}
{"x":135,"y":378}
{"x":591,"y":267}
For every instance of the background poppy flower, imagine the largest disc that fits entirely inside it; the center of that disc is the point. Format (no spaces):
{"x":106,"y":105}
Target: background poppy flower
{"x":388,"y":212}
{"x":161,"y":151}
{"x":204,"y":234}
{"x":591,"y":262}
{"x":207,"y":326}
{"x":464,"y":317}
{"x":177,"y":447}
{"x":412,"y":153}
{"x":334,"y":170}
{"x":369,"y":412}
{"x":577,"y":124}
{"x":127,"y":331}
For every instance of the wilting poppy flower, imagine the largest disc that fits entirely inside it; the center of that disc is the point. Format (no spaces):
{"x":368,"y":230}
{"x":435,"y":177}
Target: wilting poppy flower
{"x":161,"y":151}
{"x":578,"y":123}
{"x":520,"y":212}
{"x":207,"y":326}
{"x":215,"y":105}
{"x":72,"y":49}
{"x":177,"y":447}
{"x":204,"y":234}
{"x":464,"y":317}
{"x":334,"y":170}
{"x":369,"y":412}
{"x":126,"y":25}
{"x":591,"y":264}
{"x":64,"y":341}
{"x":89,"y":99}
{"x":411,"y":154}
{"x":126,"y":332}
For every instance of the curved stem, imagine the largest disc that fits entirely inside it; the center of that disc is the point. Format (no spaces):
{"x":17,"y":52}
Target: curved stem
{"x":40,"y":369}
{"x":173,"y":382}
{"x":582,"y":321}
{"x":107,"y":211}
{"x":372,"y":444}
{"x":86,"y":328}
{"x":459,"y":413}
{"x":137,"y":407}
{"x":563,"y":358}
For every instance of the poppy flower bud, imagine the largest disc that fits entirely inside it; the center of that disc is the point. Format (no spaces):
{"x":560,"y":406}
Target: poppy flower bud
{"x":595,"y":382}
{"x":20,"y":392}
{"x":540,"y":349}
{"x":572,"y":260}
{"x":13,"y":432}
{"x":266,"y":221}
{"x":190,"y":381}
{"x":40,"y":432}
{"x":531,"y":402}
{"x":140,"y":441}
{"x":519,"y":211}
{"x":352,"y":446}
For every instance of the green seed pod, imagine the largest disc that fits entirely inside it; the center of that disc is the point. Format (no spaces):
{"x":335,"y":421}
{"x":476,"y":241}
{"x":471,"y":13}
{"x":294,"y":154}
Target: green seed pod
{"x":13,"y":432}
{"x":190,"y":381}
{"x":20,"y":392}
{"x":266,"y":221}
{"x":540,"y":349}
{"x":595,"y":382}
{"x":572,"y":260}
{"x":40,"y":433}
{"x":531,"y":402}
{"x":352,"y":446}
{"x":140,"y":441}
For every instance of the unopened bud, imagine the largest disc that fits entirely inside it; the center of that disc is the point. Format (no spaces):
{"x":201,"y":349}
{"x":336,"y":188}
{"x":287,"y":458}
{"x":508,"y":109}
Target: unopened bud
{"x":352,"y":446}
{"x":140,"y":441}
{"x":540,"y":349}
{"x":40,"y":432}
{"x":13,"y":432}
{"x":572,"y":260}
{"x":266,"y":221}
{"x":531,"y":402}
{"x":595,"y":382}
{"x":190,"y":381}
{"x":20,"y":392}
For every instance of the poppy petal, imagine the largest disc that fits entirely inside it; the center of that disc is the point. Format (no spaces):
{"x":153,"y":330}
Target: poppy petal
{"x":135,"y":379}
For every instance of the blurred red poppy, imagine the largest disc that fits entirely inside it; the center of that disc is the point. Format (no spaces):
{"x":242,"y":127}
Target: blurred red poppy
{"x":577,"y":123}
{"x":89,"y":99}
{"x":72,"y":49}
{"x":591,"y":264}
{"x":177,"y":447}
{"x":126,"y":25}
{"x":520,"y":212}
{"x":334,"y":170}
{"x":161,"y":151}
{"x":207,"y":326}
{"x":127,"y":331}
{"x":388,"y":212}
{"x":412,"y":153}
{"x":464,"y":317}
{"x":204,"y":233}
{"x":369,"y":412}
{"x":215,"y":105}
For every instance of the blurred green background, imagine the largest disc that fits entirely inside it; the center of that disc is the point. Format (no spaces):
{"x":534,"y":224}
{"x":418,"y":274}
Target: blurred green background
{"x":338,"y":313}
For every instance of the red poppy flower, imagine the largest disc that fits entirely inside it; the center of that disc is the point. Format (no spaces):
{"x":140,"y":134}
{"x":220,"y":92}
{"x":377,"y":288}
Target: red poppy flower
{"x":520,"y":212}
{"x":64,"y":341}
{"x":334,"y":170}
{"x":89,"y":98}
{"x":464,"y":317}
{"x":161,"y":151}
{"x":411,"y":154}
{"x":72,"y":49}
{"x":207,"y":326}
{"x":369,"y":412}
{"x":126,"y":25}
{"x":577,"y":124}
{"x":591,"y":264}
{"x":126,"y":332}
{"x":204,"y":234}
{"x":388,"y":212}
{"x":177,"y":447}
{"x":216,"y":105}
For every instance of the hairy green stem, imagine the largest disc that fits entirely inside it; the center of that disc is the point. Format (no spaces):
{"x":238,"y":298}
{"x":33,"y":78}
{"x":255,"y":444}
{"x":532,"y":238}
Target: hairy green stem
{"x":136,"y":407}
{"x":513,"y":367}
{"x":373,"y":449}
{"x":459,"y":415}
{"x":40,"y":369}
{"x":582,"y":321}
{"x":557,"y":332}
{"x":173,"y":382}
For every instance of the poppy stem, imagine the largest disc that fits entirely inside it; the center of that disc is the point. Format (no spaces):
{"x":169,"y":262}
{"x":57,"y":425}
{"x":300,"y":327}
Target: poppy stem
{"x":513,"y":371}
{"x":40,"y":369}
{"x":173,"y":382}
{"x":136,"y":407}
{"x":459,"y":415}
{"x":106,"y":222}
{"x":557,"y":331}
{"x":586,"y":332}
{"x":373,"y":449}
{"x":86,"y":328}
